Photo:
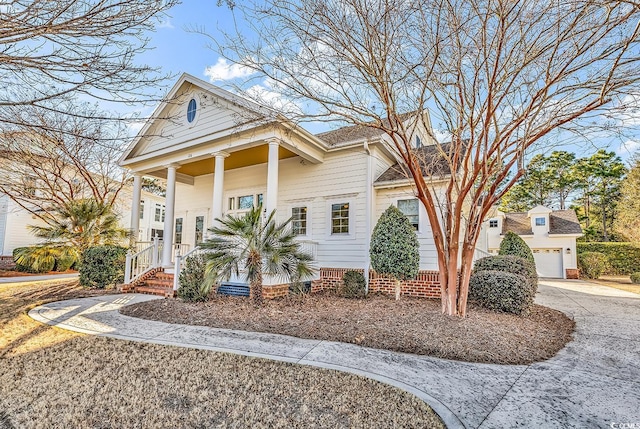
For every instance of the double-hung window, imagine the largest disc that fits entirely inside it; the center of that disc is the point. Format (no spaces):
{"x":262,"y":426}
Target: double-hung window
{"x":299,"y":220}
{"x":340,"y":218}
{"x":411,"y":209}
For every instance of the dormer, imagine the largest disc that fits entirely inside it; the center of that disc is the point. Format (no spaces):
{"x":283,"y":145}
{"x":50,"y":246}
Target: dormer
{"x":539,"y":217}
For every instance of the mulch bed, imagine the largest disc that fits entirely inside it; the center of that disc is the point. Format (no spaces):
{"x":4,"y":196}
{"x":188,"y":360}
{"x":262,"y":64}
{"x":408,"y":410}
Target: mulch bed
{"x":409,"y":325}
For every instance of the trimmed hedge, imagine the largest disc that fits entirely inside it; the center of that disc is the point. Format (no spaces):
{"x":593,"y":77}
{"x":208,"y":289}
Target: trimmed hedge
{"x":635,"y":278}
{"x":592,"y":264}
{"x":192,"y":279}
{"x":103,"y":266}
{"x":502,"y":291}
{"x":624,"y":258}
{"x":513,"y":244}
{"x":509,"y":264}
{"x":354,"y":285}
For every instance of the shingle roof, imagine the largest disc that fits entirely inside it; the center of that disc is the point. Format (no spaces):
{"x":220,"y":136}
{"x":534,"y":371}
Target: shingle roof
{"x":349,"y":134}
{"x":353,"y":133}
{"x":431,"y":160}
{"x":560,"y":222}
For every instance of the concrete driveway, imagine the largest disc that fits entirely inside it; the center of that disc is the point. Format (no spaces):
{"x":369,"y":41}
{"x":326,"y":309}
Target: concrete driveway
{"x":593,"y":382}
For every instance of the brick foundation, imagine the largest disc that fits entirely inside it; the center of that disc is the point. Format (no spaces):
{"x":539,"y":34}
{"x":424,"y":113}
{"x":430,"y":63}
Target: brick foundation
{"x":426,"y":284}
{"x":6,"y":263}
{"x":276,"y":291}
{"x":572,"y":273}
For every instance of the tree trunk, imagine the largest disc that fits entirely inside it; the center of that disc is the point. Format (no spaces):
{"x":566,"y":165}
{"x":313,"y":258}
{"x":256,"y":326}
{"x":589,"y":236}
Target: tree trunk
{"x":255,"y":288}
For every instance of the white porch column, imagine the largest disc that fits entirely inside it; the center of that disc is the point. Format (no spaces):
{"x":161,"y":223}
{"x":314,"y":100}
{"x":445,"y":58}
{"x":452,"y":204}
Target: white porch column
{"x":135,"y":206}
{"x":218,"y":186}
{"x":170,"y":204}
{"x":272,"y":176}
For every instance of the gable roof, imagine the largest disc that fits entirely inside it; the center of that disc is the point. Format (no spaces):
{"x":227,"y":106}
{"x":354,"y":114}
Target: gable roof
{"x":356,"y":133}
{"x":432,"y":162}
{"x":560,"y":222}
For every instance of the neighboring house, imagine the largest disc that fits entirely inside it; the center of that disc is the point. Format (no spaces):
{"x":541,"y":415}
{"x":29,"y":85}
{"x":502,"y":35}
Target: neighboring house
{"x":15,"y":221}
{"x":551,"y":235}
{"x":222,"y":154}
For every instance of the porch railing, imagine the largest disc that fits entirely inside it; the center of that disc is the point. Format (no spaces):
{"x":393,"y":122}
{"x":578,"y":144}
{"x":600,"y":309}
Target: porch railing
{"x":479,"y":253}
{"x":178,"y":261}
{"x":142,"y":261}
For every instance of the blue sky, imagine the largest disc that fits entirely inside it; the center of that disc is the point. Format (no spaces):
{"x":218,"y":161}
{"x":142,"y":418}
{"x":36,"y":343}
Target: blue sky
{"x":177,"y":50}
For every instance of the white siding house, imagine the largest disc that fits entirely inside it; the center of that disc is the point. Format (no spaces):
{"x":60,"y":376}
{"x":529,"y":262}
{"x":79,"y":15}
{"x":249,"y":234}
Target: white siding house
{"x":221,"y":154}
{"x":551,"y":235}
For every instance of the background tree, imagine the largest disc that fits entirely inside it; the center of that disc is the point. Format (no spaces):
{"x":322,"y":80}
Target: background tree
{"x":59,"y":158}
{"x":548,"y":181}
{"x":61,"y":50}
{"x":627,"y":222}
{"x":248,"y":244}
{"x":394,"y":247}
{"x":498,"y":76}
{"x":600,"y":178}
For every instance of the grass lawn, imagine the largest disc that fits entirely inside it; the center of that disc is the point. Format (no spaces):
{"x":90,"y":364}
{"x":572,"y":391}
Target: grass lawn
{"x":410,"y":325}
{"x":55,"y":378}
{"x":618,"y":282}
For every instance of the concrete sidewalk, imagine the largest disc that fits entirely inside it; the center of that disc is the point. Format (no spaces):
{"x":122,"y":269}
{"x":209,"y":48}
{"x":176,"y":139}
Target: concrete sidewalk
{"x":26,"y":279}
{"x":593,"y":382}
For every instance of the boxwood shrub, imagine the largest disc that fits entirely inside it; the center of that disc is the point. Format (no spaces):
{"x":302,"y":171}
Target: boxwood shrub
{"x":592,"y":264}
{"x":513,"y":245}
{"x":502,"y":291}
{"x":623,"y":258}
{"x":192,"y":279}
{"x":510,"y":264}
{"x":102,"y":266}
{"x":353,"y":285}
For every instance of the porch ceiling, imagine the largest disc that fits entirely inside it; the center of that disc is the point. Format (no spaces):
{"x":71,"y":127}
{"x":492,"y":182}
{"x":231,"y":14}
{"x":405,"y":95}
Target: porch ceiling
{"x":242,"y":158}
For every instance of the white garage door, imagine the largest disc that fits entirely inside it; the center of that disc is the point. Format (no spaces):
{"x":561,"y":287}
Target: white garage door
{"x":548,"y":262}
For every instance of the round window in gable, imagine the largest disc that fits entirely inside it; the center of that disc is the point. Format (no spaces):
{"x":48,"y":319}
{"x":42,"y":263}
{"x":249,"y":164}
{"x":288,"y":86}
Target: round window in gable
{"x":191,"y":110}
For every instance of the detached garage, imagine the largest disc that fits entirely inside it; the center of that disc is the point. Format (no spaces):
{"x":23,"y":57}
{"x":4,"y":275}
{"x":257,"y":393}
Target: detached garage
{"x":551,"y":235}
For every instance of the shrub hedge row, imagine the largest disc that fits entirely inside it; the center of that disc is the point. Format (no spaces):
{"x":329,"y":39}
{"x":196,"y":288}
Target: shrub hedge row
{"x":623,"y":258}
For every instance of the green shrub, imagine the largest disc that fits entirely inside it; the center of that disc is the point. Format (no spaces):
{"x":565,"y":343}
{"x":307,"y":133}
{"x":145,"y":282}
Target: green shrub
{"x":66,"y":257}
{"x":592,"y":264}
{"x":25,"y":268}
{"x":35,"y":259}
{"x":624,"y":258}
{"x":635,"y":278}
{"x":513,"y":245}
{"x":103,"y":266}
{"x":192,"y":279}
{"x":509,"y":264}
{"x":353,"y":285}
{"x":501,"y":291}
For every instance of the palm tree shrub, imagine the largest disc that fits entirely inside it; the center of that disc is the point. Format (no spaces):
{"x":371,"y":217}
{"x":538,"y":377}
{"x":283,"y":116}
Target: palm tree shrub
{"x":394,"y":247}
{"x":252,"y":246}
{"x":513,"y":244}
{"x":103,"y":266}
{"x":635,"y":278}
{"x":35,"y":259}
{"x":81,"y":224}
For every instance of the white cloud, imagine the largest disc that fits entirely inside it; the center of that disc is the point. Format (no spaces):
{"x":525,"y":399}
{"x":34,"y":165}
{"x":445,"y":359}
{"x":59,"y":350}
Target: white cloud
{"x":628,"y":148}
{"x":223,"y":70}
{"x":442,"y":136}
{"x":267,"y":94}
{"x":165,"y":24}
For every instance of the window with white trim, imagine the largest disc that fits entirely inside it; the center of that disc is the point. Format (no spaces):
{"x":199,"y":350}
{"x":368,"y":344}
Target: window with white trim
{"x":159,"y":214}
{"x":141,"y":209}
{"x":299,"y":220}
{"x":493,"y":223}
{"x":199,"y":229}
{"x":411,"y":209}
{"x":340,"y":218}
{"x":540,"y":221}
